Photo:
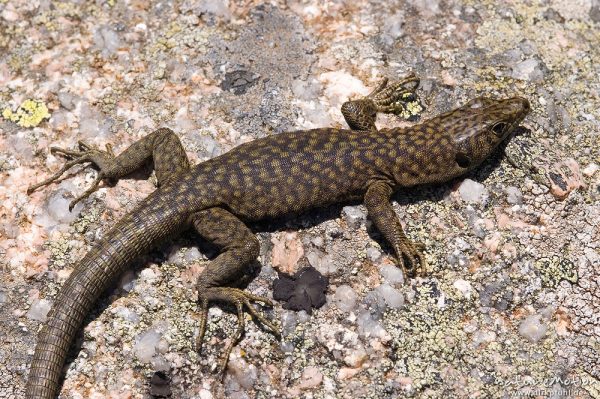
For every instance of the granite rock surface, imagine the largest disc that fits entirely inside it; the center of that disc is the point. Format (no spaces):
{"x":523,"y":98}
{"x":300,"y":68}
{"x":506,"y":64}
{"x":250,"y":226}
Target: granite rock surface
{"x":511,"y":301}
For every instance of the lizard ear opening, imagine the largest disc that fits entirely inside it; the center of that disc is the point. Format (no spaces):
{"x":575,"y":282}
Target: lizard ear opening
{"x":462,"y":159}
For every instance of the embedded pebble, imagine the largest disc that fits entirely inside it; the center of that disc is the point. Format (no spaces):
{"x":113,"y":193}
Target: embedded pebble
{"x":472,"y":191}
{"x":464,"y":287}
{"x":303,"y":316}
{"x":322,"y":262}
{"x":532,"y":328}
{"x":590,"y":169}
{"x":369,"y":326}
{"x":68,"y":100}
{"x":529,"y":69}
{"x":148,"y":275}
{"x":91,"y":122}
{"x":426,"y":7}
{"x":375,"y":303}
{"x":373,"y":254}
{"x":20,"y":145}
{"x":345,"y":298}
{"x":289,"y":320}
{"x":356,"y":356}
{"x":393,"y":275}
{"x":215,"y":7}
{"x":159,"y":363}
{"x":514,"y":195}
{"x":244,"y":373}
{"x":39,"y":310}
{"x":311,"y":378}
{"x":287,"y":251}
{"x":106,"y":39}
{"x":57,"y":210}
{"x":146,"y":345}
{"x":393,"y":298}
{"x":192,"y":254}
{"x":354,"y":216}
{"x":205,"y":394}
{"x":482,"y":337}
{"x":128,"y":281}
{"x":127,"y":314}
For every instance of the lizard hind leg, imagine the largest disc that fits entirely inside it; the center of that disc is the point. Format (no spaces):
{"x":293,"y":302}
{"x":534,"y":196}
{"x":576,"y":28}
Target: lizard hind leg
{"x":239,"y":248}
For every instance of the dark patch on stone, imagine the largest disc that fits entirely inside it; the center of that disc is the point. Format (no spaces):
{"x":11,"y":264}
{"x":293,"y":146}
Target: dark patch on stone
{"x":558,"y":180}
{"x":303,"y":291}
{"x":160,"y":385}
{"x":595,"y":12}
{"x":239,"y":81}
{"x":428,"y":290}
{"x":498,"y":295}
{"x":553,"y":15}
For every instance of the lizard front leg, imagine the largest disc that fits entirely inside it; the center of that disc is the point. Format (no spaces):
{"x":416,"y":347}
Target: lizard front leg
{"x":162,"y":146}
{"x":379,"y":208}
{"x":361,"y":114}
{"x":239,"y":247}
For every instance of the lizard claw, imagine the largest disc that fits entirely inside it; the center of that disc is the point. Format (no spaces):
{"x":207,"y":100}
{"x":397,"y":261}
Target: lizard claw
{"x":412,"y":260}
{"x":395,"y":98}
{"x":239,"y":298}
{"x":86,"y":153}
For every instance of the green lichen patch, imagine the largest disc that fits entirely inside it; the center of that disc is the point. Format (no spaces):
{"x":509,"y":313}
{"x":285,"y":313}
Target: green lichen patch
{"x":29,"y":114}
{"x":555,"y":269}
{"x":588,"y":383}
{"x":409,"y":107}
{"x":426,"y":338}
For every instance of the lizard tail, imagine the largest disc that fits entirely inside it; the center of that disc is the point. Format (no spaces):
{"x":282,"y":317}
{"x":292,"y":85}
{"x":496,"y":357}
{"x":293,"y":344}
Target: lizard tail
{"x":133,"y":236}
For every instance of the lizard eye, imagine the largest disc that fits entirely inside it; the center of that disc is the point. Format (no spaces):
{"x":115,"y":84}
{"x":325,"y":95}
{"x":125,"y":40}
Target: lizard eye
{"x":462,"y":160}
{"x":499,"y":128}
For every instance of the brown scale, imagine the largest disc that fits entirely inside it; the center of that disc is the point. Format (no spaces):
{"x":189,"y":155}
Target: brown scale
{"x":268,"y":177}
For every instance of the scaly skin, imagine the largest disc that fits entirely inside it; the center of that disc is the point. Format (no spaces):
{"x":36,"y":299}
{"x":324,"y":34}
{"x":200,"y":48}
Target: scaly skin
{"x":270,"y":177}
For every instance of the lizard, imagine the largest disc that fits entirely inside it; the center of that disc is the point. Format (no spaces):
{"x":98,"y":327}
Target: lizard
{"x":270,"y":177}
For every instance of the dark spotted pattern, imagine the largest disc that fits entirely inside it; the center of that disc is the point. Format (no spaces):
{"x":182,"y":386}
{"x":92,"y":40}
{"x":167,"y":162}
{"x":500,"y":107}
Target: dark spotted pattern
{"x":269,"y":177}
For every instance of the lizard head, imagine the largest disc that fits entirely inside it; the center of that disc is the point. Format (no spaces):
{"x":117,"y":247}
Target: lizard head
{"x":456,"y":142}
{"x":483,"y":124}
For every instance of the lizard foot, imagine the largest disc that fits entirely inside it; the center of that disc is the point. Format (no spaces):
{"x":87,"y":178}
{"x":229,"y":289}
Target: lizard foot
{"x":86,"y":153}
{"x":239,"y":298}
{"x":412,"y":261}
{"x":393,"y":99}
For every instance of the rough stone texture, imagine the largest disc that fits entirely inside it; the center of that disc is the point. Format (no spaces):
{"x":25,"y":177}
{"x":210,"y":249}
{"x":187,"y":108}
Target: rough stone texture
{"x":510,"y":303}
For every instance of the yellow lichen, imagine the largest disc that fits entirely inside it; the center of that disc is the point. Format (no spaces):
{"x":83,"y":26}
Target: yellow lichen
{"x":29,"y":114}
